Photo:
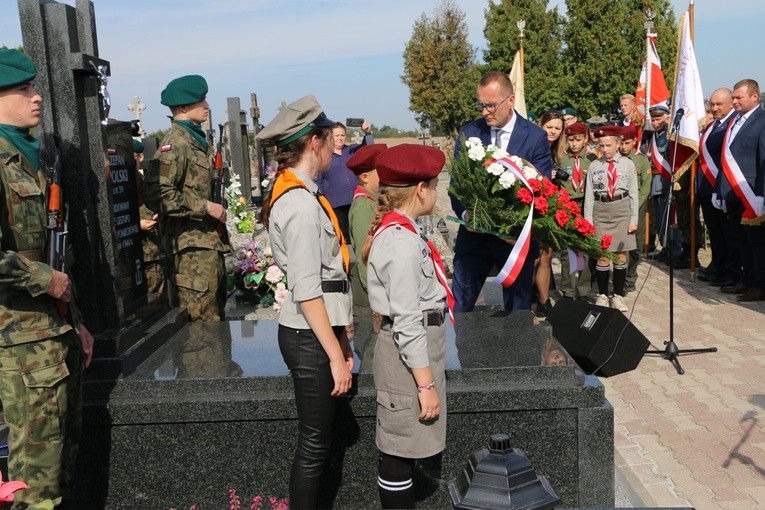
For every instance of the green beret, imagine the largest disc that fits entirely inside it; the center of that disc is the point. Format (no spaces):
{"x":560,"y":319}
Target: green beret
{"x":16,"y":68}
{"x":294,"y":121}
{"x":138,"y":146}
{"x":184,"y":90}
{"x":532,"y":116}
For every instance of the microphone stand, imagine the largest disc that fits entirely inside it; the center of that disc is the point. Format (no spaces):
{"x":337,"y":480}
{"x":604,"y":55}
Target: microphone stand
{"x":671,"y":352}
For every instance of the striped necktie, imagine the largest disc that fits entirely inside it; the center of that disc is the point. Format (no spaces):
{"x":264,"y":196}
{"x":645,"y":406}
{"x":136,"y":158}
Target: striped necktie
{"x":611,"y":179}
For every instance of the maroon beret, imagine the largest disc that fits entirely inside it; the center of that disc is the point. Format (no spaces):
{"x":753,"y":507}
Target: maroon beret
{"x":363,"y":160}
{"x":629,"y":132}
{"x":409,"y":163}
{"x":578,"y":128}
{"x":608,"y":131}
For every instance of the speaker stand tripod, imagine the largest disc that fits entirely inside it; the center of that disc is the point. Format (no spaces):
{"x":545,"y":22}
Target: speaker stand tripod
{"x":671,"y":352}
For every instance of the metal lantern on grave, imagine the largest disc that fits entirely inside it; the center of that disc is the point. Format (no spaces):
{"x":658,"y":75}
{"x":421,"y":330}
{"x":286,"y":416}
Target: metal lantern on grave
{"x":501,"y":478}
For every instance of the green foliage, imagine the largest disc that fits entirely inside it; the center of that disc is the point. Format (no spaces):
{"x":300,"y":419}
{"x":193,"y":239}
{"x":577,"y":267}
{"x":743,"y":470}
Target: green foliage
{"x":440,"y":68}
{"x":544,"y":75}
{"x":605,"y":48}
{"x":159,"y":134}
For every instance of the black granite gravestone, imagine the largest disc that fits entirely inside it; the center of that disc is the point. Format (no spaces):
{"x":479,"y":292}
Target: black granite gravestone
{"x":72,"y":80}
{"x":213,"y":409}
{"x":239,"y":146}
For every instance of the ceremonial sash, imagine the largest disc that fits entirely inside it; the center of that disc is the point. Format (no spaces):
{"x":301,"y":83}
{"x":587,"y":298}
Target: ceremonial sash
{"x":393,"y":218}
{"x":737,"y":180}
{"x":287,"y":181}
{"x":361,"y":192}
{"x":514,"y":263}
{"x":659,"y":162}
{"x":707,"y":164}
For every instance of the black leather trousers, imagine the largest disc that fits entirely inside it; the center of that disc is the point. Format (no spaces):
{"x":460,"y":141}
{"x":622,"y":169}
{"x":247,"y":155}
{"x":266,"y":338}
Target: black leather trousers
{"x":309,"y":367}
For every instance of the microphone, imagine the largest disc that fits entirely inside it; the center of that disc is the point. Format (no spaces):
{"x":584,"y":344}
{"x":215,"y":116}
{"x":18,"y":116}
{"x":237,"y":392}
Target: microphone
{"x":678,"y":117}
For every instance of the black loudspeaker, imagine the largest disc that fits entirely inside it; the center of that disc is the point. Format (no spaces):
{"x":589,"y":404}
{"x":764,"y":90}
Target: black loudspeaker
{"x":601,"y":340}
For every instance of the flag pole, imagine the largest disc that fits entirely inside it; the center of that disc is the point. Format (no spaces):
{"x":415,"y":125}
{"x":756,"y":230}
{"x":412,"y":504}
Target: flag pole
{"x":649,"y":15}
{"x":693,"y":175}
{"x":521,"y":24}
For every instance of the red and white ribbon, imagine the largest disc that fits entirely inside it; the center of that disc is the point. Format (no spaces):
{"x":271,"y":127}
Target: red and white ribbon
{"x":575,"y":261}
{"x":659,"y":161}
{"x":752,"y":203}
{"x":707,"y":164}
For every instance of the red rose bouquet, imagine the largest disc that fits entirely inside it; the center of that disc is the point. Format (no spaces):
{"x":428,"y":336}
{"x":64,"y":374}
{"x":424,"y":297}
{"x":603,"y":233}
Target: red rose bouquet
{"x":500,"y":191}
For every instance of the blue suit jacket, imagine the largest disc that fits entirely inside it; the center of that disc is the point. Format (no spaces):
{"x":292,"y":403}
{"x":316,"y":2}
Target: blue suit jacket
{"x":748,"y":148}
{"x":714,"y":145}
{"x":527,"y":141}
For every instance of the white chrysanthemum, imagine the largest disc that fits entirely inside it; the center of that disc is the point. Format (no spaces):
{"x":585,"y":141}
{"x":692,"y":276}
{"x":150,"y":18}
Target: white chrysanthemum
{"x":264,"y":183}
{"x":529,"y":172}
{"x":495,"y":169}
{"x":499,"y":153}
{"x":507,"y":179}
{"x":473,"y":141}
{"x":476,"y":153}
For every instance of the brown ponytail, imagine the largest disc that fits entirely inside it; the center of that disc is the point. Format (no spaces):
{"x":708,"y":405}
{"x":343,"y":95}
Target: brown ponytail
{"x":388,"y":198}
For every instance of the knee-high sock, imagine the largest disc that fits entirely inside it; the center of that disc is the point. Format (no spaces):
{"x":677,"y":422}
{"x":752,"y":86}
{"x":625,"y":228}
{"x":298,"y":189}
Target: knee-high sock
{"x":620,"y":274}
{"x":394,"y":480}
{"x":601,"y":274}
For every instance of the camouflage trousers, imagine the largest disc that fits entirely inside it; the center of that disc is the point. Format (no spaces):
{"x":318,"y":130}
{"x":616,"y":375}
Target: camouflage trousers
{"x":155,"y":277}
{"x":200,"y":279}
{"x":40,"y":388}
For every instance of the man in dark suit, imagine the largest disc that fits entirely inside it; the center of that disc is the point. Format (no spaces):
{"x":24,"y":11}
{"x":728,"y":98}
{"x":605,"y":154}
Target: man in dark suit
{"x":743,"y":187}
{"x":725,"y":267}
{"x":474,"y":253}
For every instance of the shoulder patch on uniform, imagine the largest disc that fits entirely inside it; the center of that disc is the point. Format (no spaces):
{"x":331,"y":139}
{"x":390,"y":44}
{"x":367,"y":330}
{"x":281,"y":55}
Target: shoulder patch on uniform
{"x":166,"y":148}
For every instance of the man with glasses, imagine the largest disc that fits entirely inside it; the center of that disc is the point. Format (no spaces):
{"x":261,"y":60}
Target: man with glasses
{"x":475,"y":253}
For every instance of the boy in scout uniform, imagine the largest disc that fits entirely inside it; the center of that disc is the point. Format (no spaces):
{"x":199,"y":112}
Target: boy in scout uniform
{"x":572,"y":177}
{"x":42,"y":352}
{"x":360,"y":216}
{"x":190,"y":221}
{"x":643,"y":168}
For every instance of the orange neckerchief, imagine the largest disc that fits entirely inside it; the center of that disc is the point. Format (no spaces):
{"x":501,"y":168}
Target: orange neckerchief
{"x":288,"y":181}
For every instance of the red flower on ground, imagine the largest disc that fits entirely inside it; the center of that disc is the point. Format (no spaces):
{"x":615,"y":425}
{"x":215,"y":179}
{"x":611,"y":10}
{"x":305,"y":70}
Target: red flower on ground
{"x":605,"y":241}
{"x":561,"y":217}
{"x":540,"y":204}
{"x":548,"y":188}
{"x":524,"y":195}
{"x":535,"y":185}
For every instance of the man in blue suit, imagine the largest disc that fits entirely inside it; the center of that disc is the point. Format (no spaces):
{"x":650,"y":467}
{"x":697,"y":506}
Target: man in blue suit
{"x":746,"y":142}
{"x":475,"y":253}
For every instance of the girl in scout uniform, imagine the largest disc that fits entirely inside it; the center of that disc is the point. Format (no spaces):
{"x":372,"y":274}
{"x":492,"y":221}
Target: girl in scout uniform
{"x":611,"y":204}
{"x":407,"y":286}
{"x":313,"y":323}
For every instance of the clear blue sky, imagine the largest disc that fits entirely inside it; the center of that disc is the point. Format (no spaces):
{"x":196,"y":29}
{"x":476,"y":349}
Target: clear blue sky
{"x":347,"y":53}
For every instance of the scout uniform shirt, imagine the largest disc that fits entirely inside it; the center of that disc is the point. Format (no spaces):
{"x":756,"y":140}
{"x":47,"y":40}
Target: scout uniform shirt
{"x":400,"y":260}
{"x":568,"y":162}
{"x":626,"y":182}
{"x":644,"y":176}
{"x":27,"y":314}
{"x":360,"y":218}
{"x":185,"y":184}
{"x":307,"y":250}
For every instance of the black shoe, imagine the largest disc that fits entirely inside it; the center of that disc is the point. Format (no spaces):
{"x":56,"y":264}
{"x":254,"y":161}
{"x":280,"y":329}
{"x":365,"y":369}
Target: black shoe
{"x":660,"y":257}
{"x":723,"y":282}
{"x":543,"y":309}
{"x":681,"y":264}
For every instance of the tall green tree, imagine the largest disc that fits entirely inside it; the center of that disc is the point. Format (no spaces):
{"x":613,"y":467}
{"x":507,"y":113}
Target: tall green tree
{"x":542,"y":48}
{"x":440,"y":69}
{"x":605,"y":48}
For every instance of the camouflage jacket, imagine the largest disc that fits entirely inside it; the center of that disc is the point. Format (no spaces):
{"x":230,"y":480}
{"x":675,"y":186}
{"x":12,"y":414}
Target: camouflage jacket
{"x":185,"y":186}
{"x":150,"y":238}
{"x":27,"y":313}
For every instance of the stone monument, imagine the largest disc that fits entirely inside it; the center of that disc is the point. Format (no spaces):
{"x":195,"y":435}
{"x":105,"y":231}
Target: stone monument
{"x":239,"y":145}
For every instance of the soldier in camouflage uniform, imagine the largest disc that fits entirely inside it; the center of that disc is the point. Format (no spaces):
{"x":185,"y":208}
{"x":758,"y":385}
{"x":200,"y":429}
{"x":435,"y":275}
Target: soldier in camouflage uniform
{"x":42,"y":353}
{"x":155,"y":276}
{"x":190,"y":221}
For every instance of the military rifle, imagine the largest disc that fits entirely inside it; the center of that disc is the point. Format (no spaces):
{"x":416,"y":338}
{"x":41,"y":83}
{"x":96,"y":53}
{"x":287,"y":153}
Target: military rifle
{"x":58,"y":222}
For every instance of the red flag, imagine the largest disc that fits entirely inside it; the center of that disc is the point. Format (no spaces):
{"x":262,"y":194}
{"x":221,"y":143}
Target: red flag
{"x":659,"y":90}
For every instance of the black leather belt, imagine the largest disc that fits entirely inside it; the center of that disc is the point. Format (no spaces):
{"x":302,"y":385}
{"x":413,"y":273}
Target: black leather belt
{"x":605,"y":198}
{"x":429,"y":317}
{"x":341,"y":286}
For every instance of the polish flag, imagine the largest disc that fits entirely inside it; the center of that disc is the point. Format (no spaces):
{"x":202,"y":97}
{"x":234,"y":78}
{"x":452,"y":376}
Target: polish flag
{"x":659,"y":90}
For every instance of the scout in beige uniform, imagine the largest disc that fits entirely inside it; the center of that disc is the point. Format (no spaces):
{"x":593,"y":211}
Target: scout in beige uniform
{"x":190,"y":221}
{"x":408,"y":287}
{"x":41,"y":355}
{"x":611,"y":204}
{"x":367,"y":323}
{"x":315,"y":317}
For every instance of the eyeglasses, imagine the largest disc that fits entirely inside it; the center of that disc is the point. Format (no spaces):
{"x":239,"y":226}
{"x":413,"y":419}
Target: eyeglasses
{"x":490,"y":107}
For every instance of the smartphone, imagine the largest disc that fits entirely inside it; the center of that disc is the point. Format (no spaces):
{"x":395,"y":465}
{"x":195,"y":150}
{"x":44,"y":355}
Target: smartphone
{"x":353,"y":122}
